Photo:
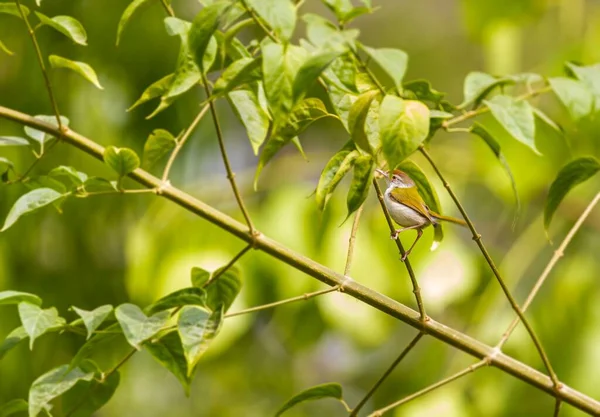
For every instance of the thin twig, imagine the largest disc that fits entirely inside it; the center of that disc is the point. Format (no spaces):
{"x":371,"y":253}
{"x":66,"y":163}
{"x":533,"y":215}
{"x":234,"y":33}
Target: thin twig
{"x":488,"y":258}
{"x":229,"y":265}
{"x":258,"y":21}
{"x":559,"y":253}
{"x":230,"y":173}
{"x":387,"y":373}
{"x":181,"y":142}
{"x":302,"y":297}
{"x":557,"y":406}
{"x":167,"y":8}
{"x":411,"y":273}
{"x":352,"y":240}
{"x":428,"y":389}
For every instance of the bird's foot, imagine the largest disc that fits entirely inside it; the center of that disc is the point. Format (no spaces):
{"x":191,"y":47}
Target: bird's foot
{"x":394,"y":234}
{"x":404,"y":257}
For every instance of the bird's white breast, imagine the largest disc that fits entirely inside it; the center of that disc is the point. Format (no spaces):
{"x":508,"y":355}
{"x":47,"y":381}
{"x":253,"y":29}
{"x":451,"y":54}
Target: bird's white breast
{"x":403,"y":215}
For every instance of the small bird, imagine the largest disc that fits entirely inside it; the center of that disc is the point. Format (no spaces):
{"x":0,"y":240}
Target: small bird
{"x":408,"y":209}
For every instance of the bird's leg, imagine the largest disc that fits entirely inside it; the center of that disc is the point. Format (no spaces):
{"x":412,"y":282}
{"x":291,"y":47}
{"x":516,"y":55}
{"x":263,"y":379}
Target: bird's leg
{"x":395,"y":233}
{"x":419,"y":234}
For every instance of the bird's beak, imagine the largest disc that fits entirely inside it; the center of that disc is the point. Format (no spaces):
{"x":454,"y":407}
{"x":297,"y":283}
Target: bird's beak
{"x":381,"y":172}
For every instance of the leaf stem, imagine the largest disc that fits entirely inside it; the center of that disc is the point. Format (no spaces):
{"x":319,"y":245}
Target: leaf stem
{"x":488,"y":258}
{"x":302,"y":297}
{"x":258,"y":21}
{"x":387,"y":373}
{"x":559,"y":253}
{"x":181,"y":142}
{"x":230,"y":173}
{"x":407,"y":264}
{"x":352,"y":240}
{"x":167,"y":8}
{"x":229,"y":265}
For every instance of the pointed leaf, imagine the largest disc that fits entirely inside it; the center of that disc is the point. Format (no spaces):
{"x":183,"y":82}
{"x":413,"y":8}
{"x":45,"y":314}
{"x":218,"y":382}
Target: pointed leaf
{"x":86,"y":397}
{"x":131,"y":8}
{"x":95,"y":184}
{"x":361,"y":181}
{"x":53,"y":384}
{"x":93,"y":319}
{"x":75,"y":177}
{"x":159,"y":144}
{"x":30,"y":202}
{"x":137,"y":327}
{"x":204,"y":25}
{"x":254,"y":118}
{"x":238,"y":73}
{"x":516,"y":116}
{"x":67,"y":25}
{"x":199,"y":277}
{"x":185,"y":296}
{"x":15,"y":337}
{"x":392,"y":61}
{"x":223,"y":290}
{"x":121,"y":160}
{"x":339,"y":7}
{"x":478,"y":85}
{"x":36,"y":321}
{"x":155,"y":89}
{"x":310,"y":71}
{"x":404,"y":125}
{"x":15,"y":297}
{"x":574,"y":95}
{"x":13,"y":141}
{"x":80,"y":68}
{"x":280,"y":16}
{"x":572,"y":174}
{"x":40,"y":136}
{"x":13,"y":407}
{"x":423,"y":91}
{"x":168,"y":351}
{"x":197,"y":327}
{"x":329,"y":390}
{"x":590,"y":76}
{"x":334,"y":171}
{"x":11,"y":8}
{"x":358,"y":117}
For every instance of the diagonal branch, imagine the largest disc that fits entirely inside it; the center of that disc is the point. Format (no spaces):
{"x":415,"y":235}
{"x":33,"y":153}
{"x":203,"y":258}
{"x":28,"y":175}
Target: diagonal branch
{"x":490,"y":261}
{"x":320,"y":272}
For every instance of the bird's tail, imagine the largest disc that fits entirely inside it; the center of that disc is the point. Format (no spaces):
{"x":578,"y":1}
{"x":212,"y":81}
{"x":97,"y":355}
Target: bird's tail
{"x":449,"y":219}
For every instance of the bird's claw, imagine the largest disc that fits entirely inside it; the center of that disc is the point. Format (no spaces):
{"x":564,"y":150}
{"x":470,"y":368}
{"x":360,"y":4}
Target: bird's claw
{"x":394,"y":235}
{"x":403,"y":258}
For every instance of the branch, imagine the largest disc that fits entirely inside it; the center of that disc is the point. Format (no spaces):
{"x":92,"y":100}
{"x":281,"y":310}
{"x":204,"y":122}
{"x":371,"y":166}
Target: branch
{"x":557,"y":255}
{"x":326,"y":275}
{"x":229,"y":265}
{"x":387,"y":373}
{"x":488,"y":258}
{"x":352,"y":240}
{"x":411,"y":273}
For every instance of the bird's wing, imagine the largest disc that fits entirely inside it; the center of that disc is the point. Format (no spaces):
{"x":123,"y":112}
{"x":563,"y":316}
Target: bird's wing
{"x":410,"y":197}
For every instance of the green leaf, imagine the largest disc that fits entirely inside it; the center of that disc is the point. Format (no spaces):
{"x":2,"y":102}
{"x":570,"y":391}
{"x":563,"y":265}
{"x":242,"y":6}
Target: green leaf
{"x":329,"y":390}
{"x":95,"y":184}
{"x":361,"y":181}
{"x":11,"y":8}
{"x":358,"y":117}
{"x":80,"y":68}
{"x":572,"y":174}
{"x":36,"y":321}
{"x":204,"y":25}
{"x":310,"y":71}
{"x":86,"y":397}
{"x":197,"y":327}
{"x":13,"y":141}
{"x":199,"y":277}
{"x":168,"y":351}
{"x":185,"y":296}
{"x":516,"y":116}
{"x":121,"y":160}
{"x":392,"y":61}
{"x":155,"y":89}
{"x":478,"y":85}
{"x":93,"y":319}
{"x":280,"y":66}
{"x":108,"y":334}
{"x":238,"y":73}
{"x":131,"y":8}
{"x":67,"y":25}
{"x":43,"y":137}
{"x":354,"y":13}
{"x":223,"y":290}
{"x":53,"y":384}
{"x":280,"y":16}
{"x":339,"y":7}
{"x":137,"y":327}
{"x":15,"y":297}
{"x":423,"y":91}
{"x":334,"y":171}
{"x":590,"y":76}
{"x":159,"y":144}
{"x":574,"y":95}
{"x":75,"y":177}
{"x":343,"y":72}
{"x":255,"y":119}
{"x":404,"y":125}
{"x":30,"y":202}
{"x":44,"y":181}
{"x":342,"y":101}
{"x":15,"y":337}
{"x":427,"y":191}
{"x":481,"y":131}
{"x":13,"y":407}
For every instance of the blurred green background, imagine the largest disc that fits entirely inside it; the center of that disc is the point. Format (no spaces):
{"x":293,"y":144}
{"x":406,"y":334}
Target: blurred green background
{"x":117,"y":249}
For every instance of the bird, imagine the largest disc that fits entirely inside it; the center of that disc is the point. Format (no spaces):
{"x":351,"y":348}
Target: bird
{"x":408,"y":209}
